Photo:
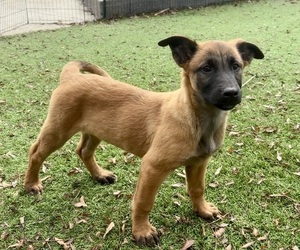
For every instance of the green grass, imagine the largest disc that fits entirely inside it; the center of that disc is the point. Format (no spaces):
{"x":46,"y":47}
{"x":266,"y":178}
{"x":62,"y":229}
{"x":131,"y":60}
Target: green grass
{"x":257,"y":188}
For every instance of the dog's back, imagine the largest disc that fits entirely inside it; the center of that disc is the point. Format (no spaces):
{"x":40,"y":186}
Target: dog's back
{"x":80,"y":67}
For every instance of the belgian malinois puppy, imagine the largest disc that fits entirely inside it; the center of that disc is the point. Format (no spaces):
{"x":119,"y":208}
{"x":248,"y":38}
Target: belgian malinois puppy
{"x":167,"y":130}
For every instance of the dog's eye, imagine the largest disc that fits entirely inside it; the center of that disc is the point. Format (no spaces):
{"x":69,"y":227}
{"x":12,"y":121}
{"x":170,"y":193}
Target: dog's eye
{"x":236,"y":66}
{"x":206,"y":69}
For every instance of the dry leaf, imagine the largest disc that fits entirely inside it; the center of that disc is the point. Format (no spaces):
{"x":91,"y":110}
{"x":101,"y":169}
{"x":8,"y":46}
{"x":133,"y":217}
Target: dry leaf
{"x":59,"y":241}
{"x":263,"y":237}
{"x":219,"y":232}
{"x":5,"y":184}
{"x":81,"y":221}
{"x":279,"y":195}
{"x":187,"y":244}
{"x":248,"y":245}
{"x":117,"y":193}
{"x":229,"y":247}
{"x":270,"y":130}
{"x":113,"y":160}
{"x":203,"y":231}
{"x":213,"y":184}
{"x":46,"y":178}
{"x":218,"y":170}
{"x":177,"y":203}
{"x":297,"y":173}
{"x":17,"y":245}
{"x":81,"y":203}
{"x":255,"y":232}
{"x":108,"y":229}
{"x":233,"y":133}
{"x":4,"y":236}
{"x":279,"y":157}
{"x":177,"y":185}
{"x":75,"y":171}
{"x":181,"y":175}
{"x":22,"y":221}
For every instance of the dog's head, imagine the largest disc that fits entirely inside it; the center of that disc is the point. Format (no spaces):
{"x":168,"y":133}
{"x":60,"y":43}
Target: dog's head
{"x":214,"y":67}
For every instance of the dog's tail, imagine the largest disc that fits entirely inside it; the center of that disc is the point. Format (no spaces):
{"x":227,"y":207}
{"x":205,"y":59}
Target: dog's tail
{"x":74,"y":67}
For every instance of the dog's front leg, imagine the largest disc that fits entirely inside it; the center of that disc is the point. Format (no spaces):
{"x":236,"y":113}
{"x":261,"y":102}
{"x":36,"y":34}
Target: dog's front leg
{"x":195,"y":177}
{"x":150,"y":178}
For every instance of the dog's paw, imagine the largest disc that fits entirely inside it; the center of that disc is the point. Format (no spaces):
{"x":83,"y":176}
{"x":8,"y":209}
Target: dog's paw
{"x":207,"y":210}
{"x":146,"y":237}
{"x":106,"y":179}
{"x":34,"y":189}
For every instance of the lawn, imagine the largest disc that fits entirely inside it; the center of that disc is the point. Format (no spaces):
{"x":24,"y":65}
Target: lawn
{"x":253,"y":179}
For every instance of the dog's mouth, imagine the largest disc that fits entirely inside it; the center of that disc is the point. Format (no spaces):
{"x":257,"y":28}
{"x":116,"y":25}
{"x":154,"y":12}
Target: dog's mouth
{"x":225,"y":107}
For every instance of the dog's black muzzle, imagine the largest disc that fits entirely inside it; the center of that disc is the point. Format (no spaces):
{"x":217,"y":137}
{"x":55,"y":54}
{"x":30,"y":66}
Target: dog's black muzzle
{"x":228,"y":98}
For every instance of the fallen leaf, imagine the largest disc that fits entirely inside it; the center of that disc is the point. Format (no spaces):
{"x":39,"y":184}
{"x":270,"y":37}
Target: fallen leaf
{"x":181,"y":175}
{"x":4,"y":236}
{"x":113,"y":160}
{"x":218,"y":171}
{"x":279,"y":157}
{"x":213,"y":184}
{"x":5,"y":184}
{"x":265,"y":237}
{"x":233,"y":133}
{"x":46,"y":178}
{"x":255,"y":232}
{"x":229,"y":247}
{"x":187,"y":244}
{"x":81,"y":203}
{"x":22,"y":220}
{"x":177,"y":203}
{"x":278,"y":195}
{"x":108,"y":229}
{"x":297,"y":173}
{"x":219,"y":232}
{"x":180,"y":196}
{"x":270,"y":130}
{"x":75,"y":171}
{"x":117,"y":193}
{"x":203,"y":231}
{"x":177,"y":185}
{"x":248,"y":245}
{"x":81,"y":221}
{"x":19,"y":244}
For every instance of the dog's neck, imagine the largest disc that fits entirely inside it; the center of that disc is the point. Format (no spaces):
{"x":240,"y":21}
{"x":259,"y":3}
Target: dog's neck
{"x":209,"y":122}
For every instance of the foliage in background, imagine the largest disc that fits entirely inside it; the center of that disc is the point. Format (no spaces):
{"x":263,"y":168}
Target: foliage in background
{"x":253,"y":179}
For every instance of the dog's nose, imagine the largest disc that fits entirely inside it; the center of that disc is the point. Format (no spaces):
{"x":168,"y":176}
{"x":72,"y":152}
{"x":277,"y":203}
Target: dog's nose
{"x":231,"y":92}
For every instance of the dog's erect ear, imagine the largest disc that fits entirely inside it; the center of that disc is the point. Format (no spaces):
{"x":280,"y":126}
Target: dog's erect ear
{"x":183,"y":49}
{"x":248,"y":51}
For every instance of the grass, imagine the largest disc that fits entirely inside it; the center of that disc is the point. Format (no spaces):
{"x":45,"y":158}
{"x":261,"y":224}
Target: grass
{"x":254,"y":178}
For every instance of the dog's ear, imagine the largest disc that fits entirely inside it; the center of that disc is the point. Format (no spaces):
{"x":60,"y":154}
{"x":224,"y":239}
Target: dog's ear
{"x":248,"y":51}
{"x":183,"y":49}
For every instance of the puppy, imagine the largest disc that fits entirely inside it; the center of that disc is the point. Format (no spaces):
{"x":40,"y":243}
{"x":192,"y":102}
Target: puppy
{"x":167,"y":130}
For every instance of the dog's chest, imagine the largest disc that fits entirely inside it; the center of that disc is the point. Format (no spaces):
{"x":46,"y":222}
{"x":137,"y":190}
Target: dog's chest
{"x":211,"y":134}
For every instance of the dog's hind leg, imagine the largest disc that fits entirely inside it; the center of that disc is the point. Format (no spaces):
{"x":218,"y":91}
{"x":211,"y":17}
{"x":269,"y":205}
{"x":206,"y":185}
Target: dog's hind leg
{"x":49,"y":140}
{"x":86,"y":150}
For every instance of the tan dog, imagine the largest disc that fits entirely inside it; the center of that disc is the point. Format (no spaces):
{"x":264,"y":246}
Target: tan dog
{"x":168,"y":130}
